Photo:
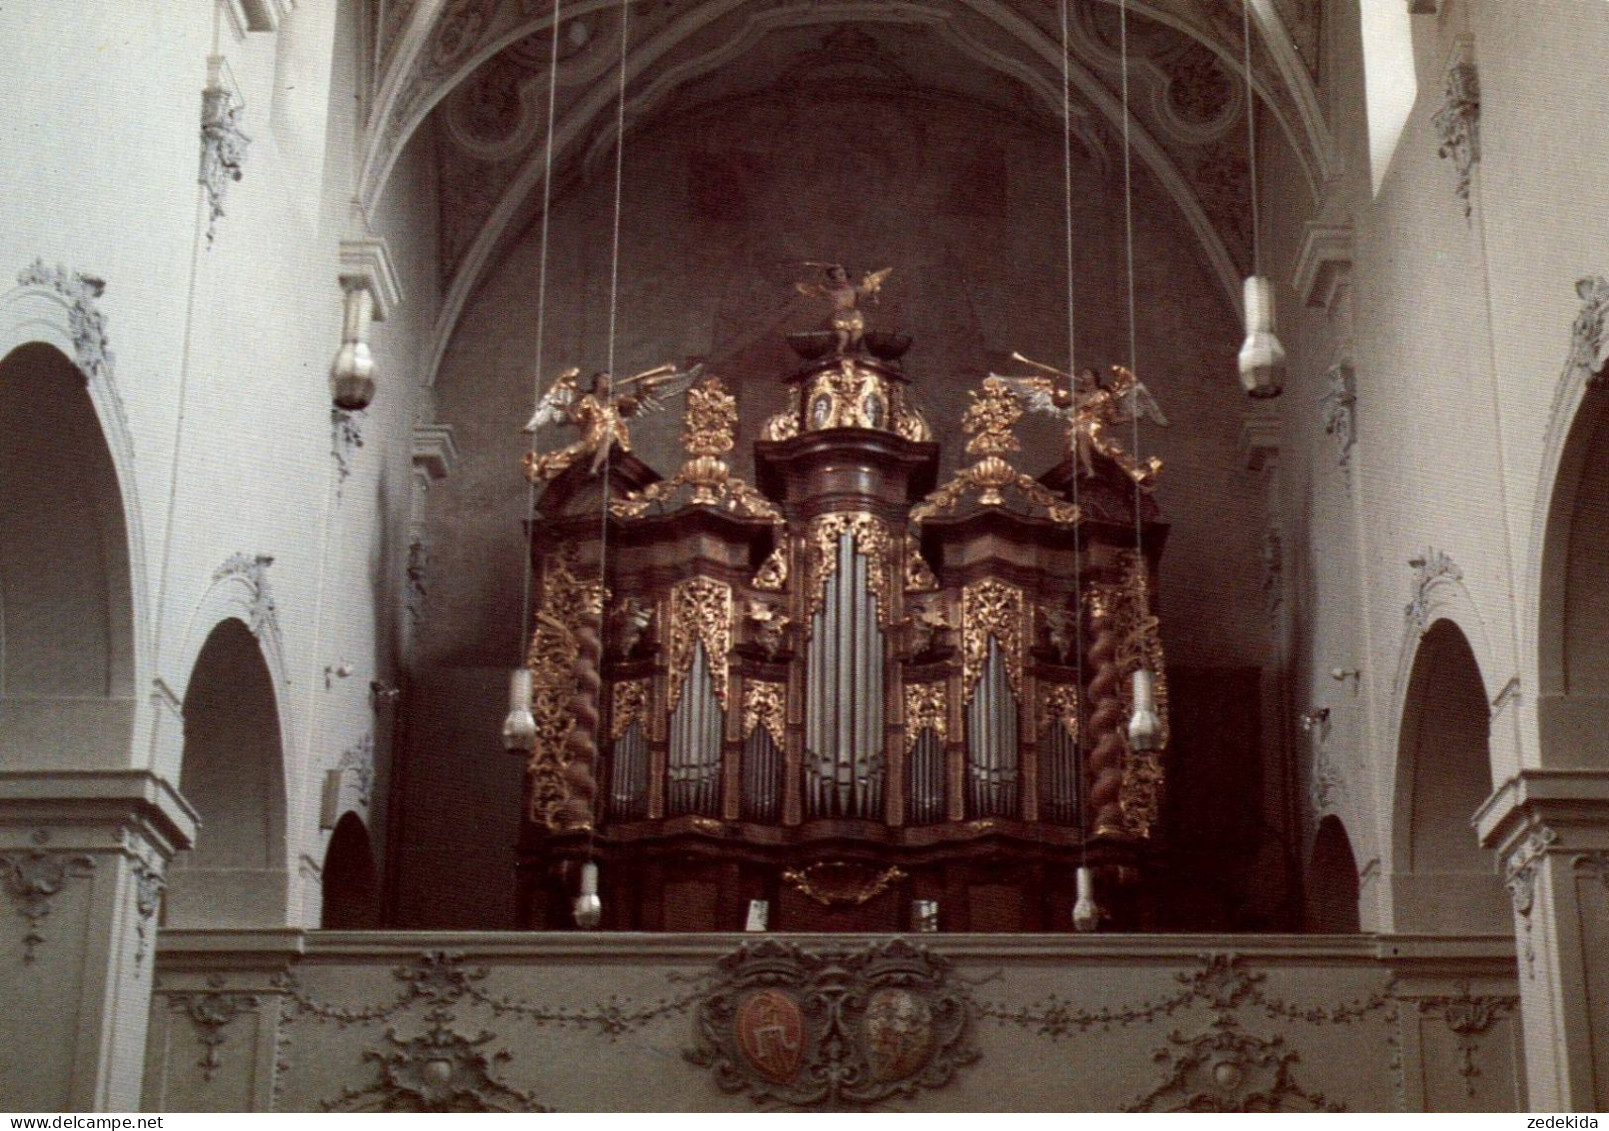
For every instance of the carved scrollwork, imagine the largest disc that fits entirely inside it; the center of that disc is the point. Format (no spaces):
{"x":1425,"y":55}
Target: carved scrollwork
{"x":772,"y":576}
{"x":926,"y":708}
{"x":1468,"y":1016}
{"x":211,"y":1012}
{"x":834,"y":883}
{"x":32,"y":879}
{"x":1058,"y":706}
{"x":1520,"y":880}
{"x":836,"y":1029}
{"x":628,"y":703}
{"x":1429,"y":568}
{"x":919,"y":576}
{"x":989,"y":420}
{"x":707,"y":435}
{"x":872,"y":541}
{"x":148,"y":888}
{"x":700,"y":612}
{"x":1224,"y":1069}
{"x":1589,"y":334}
{"x":991,"y":608}
{"x":85,"y":322}
{"x":440,"y":1070}
{"x":253,"y":570}
{"x":570,"y":608}
{"x":765,"y":705}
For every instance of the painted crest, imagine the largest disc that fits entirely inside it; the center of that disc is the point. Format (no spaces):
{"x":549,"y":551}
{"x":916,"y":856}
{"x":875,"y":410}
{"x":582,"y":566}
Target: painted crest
{"x":770,"y":1033}
{"x":837,"y":1028}
{"x":899,"y":1034}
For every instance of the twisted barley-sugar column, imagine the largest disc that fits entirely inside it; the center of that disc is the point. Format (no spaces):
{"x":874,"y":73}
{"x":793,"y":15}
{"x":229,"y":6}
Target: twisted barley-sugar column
{"x":581,"y":745}
{"x":1105,"y":762}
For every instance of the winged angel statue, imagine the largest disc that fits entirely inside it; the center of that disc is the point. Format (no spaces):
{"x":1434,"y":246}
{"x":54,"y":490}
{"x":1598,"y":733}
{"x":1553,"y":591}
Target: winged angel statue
{"x":847,"y":323}
{"x":601,"y":413}
{"x":1090,"y":408}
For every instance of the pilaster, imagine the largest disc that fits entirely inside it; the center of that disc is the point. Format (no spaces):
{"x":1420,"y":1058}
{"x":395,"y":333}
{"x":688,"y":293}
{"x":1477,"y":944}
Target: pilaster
{"x":83,"y":855}
{"x":1551,"y":829}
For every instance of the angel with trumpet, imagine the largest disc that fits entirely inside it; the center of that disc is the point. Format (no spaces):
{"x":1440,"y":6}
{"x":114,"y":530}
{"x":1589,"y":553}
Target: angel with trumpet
{"x":600,"y":413}
{"x":1090,"y":407}
{"x":847,"y":323}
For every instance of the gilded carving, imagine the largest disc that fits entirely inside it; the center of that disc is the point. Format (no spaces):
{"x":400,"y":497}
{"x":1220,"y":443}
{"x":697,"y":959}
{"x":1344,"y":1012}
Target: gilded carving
{"x":785,"y":424}
{"x":836,"y":882}
{"x":768,"y":627}
{"x":918,"y":574}
{"x":569,"y":606}
{"x":772,"y":576}
{"x":989,"y":421}
{"x":765,"y":705}
{"x":1125,"y":609}
{"x":926,"y":708}
{"x":872,"y":541}
{"x":1058,"y":706}
{"x":708,"y":430}
{"x":840,"y":1028}
{"x":991,"y":608}
{"x":628,"y":704}
{"x":700,"y":613}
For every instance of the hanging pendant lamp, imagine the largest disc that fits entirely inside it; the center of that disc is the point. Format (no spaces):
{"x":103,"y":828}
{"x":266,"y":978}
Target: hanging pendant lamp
{"x":1262,"y":358}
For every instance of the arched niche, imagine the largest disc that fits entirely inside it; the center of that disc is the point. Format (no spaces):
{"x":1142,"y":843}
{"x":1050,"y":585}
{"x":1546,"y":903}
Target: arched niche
{"x":67,"y":650}
{"x":1573,"y":608}
{"x":1332,"y":881}
{"x":233,"y":774}
{"x":1443,"y":881}
{"x":351,"y":881}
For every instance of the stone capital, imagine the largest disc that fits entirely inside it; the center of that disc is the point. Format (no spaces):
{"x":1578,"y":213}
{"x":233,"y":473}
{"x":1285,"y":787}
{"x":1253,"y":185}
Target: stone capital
{"x":89,"y":810}
{"x":1572,"y":804}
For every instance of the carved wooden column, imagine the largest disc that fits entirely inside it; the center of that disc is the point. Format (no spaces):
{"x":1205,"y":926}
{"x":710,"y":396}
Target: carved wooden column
{"x":82,"y":860}
{"x":1551,"y":830}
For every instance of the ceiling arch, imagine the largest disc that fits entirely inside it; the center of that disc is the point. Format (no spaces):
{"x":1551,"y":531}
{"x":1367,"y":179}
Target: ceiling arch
{"x":441,"y":44}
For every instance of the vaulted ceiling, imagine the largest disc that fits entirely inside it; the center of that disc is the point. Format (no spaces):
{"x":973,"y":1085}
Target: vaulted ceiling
{"x":480,"y":70}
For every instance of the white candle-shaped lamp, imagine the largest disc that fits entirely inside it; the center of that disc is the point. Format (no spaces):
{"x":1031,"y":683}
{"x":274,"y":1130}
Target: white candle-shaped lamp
{"x":519,"y":727}
{"x":1086,"y":913}
{"x":1262,"y":358}
{"x":588,"y":907}
{"x":1145,"y":729}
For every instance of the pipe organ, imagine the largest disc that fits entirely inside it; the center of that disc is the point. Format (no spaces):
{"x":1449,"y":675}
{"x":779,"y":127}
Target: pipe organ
{"x":848,"y":690}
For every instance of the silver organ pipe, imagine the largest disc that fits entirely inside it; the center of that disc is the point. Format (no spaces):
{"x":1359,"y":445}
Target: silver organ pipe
{"x":628,"y":778}
{"x":694,"y":762}
{"x":1059,"y":776}
{"x":992,"y":742}
{"x":844,"y":711}
{"x":926,"y":774}
{"x":762,"y":777}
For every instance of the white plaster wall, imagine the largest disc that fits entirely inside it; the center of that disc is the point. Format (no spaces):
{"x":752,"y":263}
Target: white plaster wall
{"x":1462,"y":327}
{"x":98,"y":163}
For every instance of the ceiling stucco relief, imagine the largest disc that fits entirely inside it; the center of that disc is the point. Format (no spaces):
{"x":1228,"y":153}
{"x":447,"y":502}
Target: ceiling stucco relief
{"x":684,"y":59}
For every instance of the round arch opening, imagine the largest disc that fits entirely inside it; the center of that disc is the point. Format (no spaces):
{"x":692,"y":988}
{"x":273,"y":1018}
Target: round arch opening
{"x":1332,"y":887}
{"x":1443,"y":881}
{"x":66,"y":618}
{"x":233,"y":774}
{"x":351,"y":880}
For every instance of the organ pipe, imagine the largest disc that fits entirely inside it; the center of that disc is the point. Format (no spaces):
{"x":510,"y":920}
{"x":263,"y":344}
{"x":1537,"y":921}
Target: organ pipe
{"x":844,"y":713}
{"x":694,"y":766}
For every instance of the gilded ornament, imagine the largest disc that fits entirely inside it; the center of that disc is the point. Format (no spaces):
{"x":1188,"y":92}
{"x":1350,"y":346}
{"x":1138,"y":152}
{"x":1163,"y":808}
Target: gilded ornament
{"x":1089,"y":409}
{"x":708,"y":430}
{"x":910,"y":424}
{"x":765,"y":705}
{"x":835,"y":883}
{"x":599,"y":414}
{"x":768,"y":627}
{"x":785,"y":424}
{"x":872,"y":541}
{"x":568,"y":606}
{"x":772,"y":576}
{"x":1058,"y":705}
{"x":700,"y":612}
{"x":848,"y":396}
{"x":918,"y":574}
{"x":926,"y":708}
{"x":995,"y":410}
{"x":991,"y":608}
{"x":628,"y":704}
{"x":1139,"y":644}
{"x":846,"y":323}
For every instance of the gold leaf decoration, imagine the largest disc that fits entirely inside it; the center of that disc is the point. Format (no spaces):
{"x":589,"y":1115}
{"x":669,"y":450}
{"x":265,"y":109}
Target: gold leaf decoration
{"x":926,"y":708}
{"x":700,"y":612}
{"x":872,"y":541}
{"x":1059,"y":705}
{"x":991,"y":608}
{"x":764,"y":705}
{"x":628,"y":703}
